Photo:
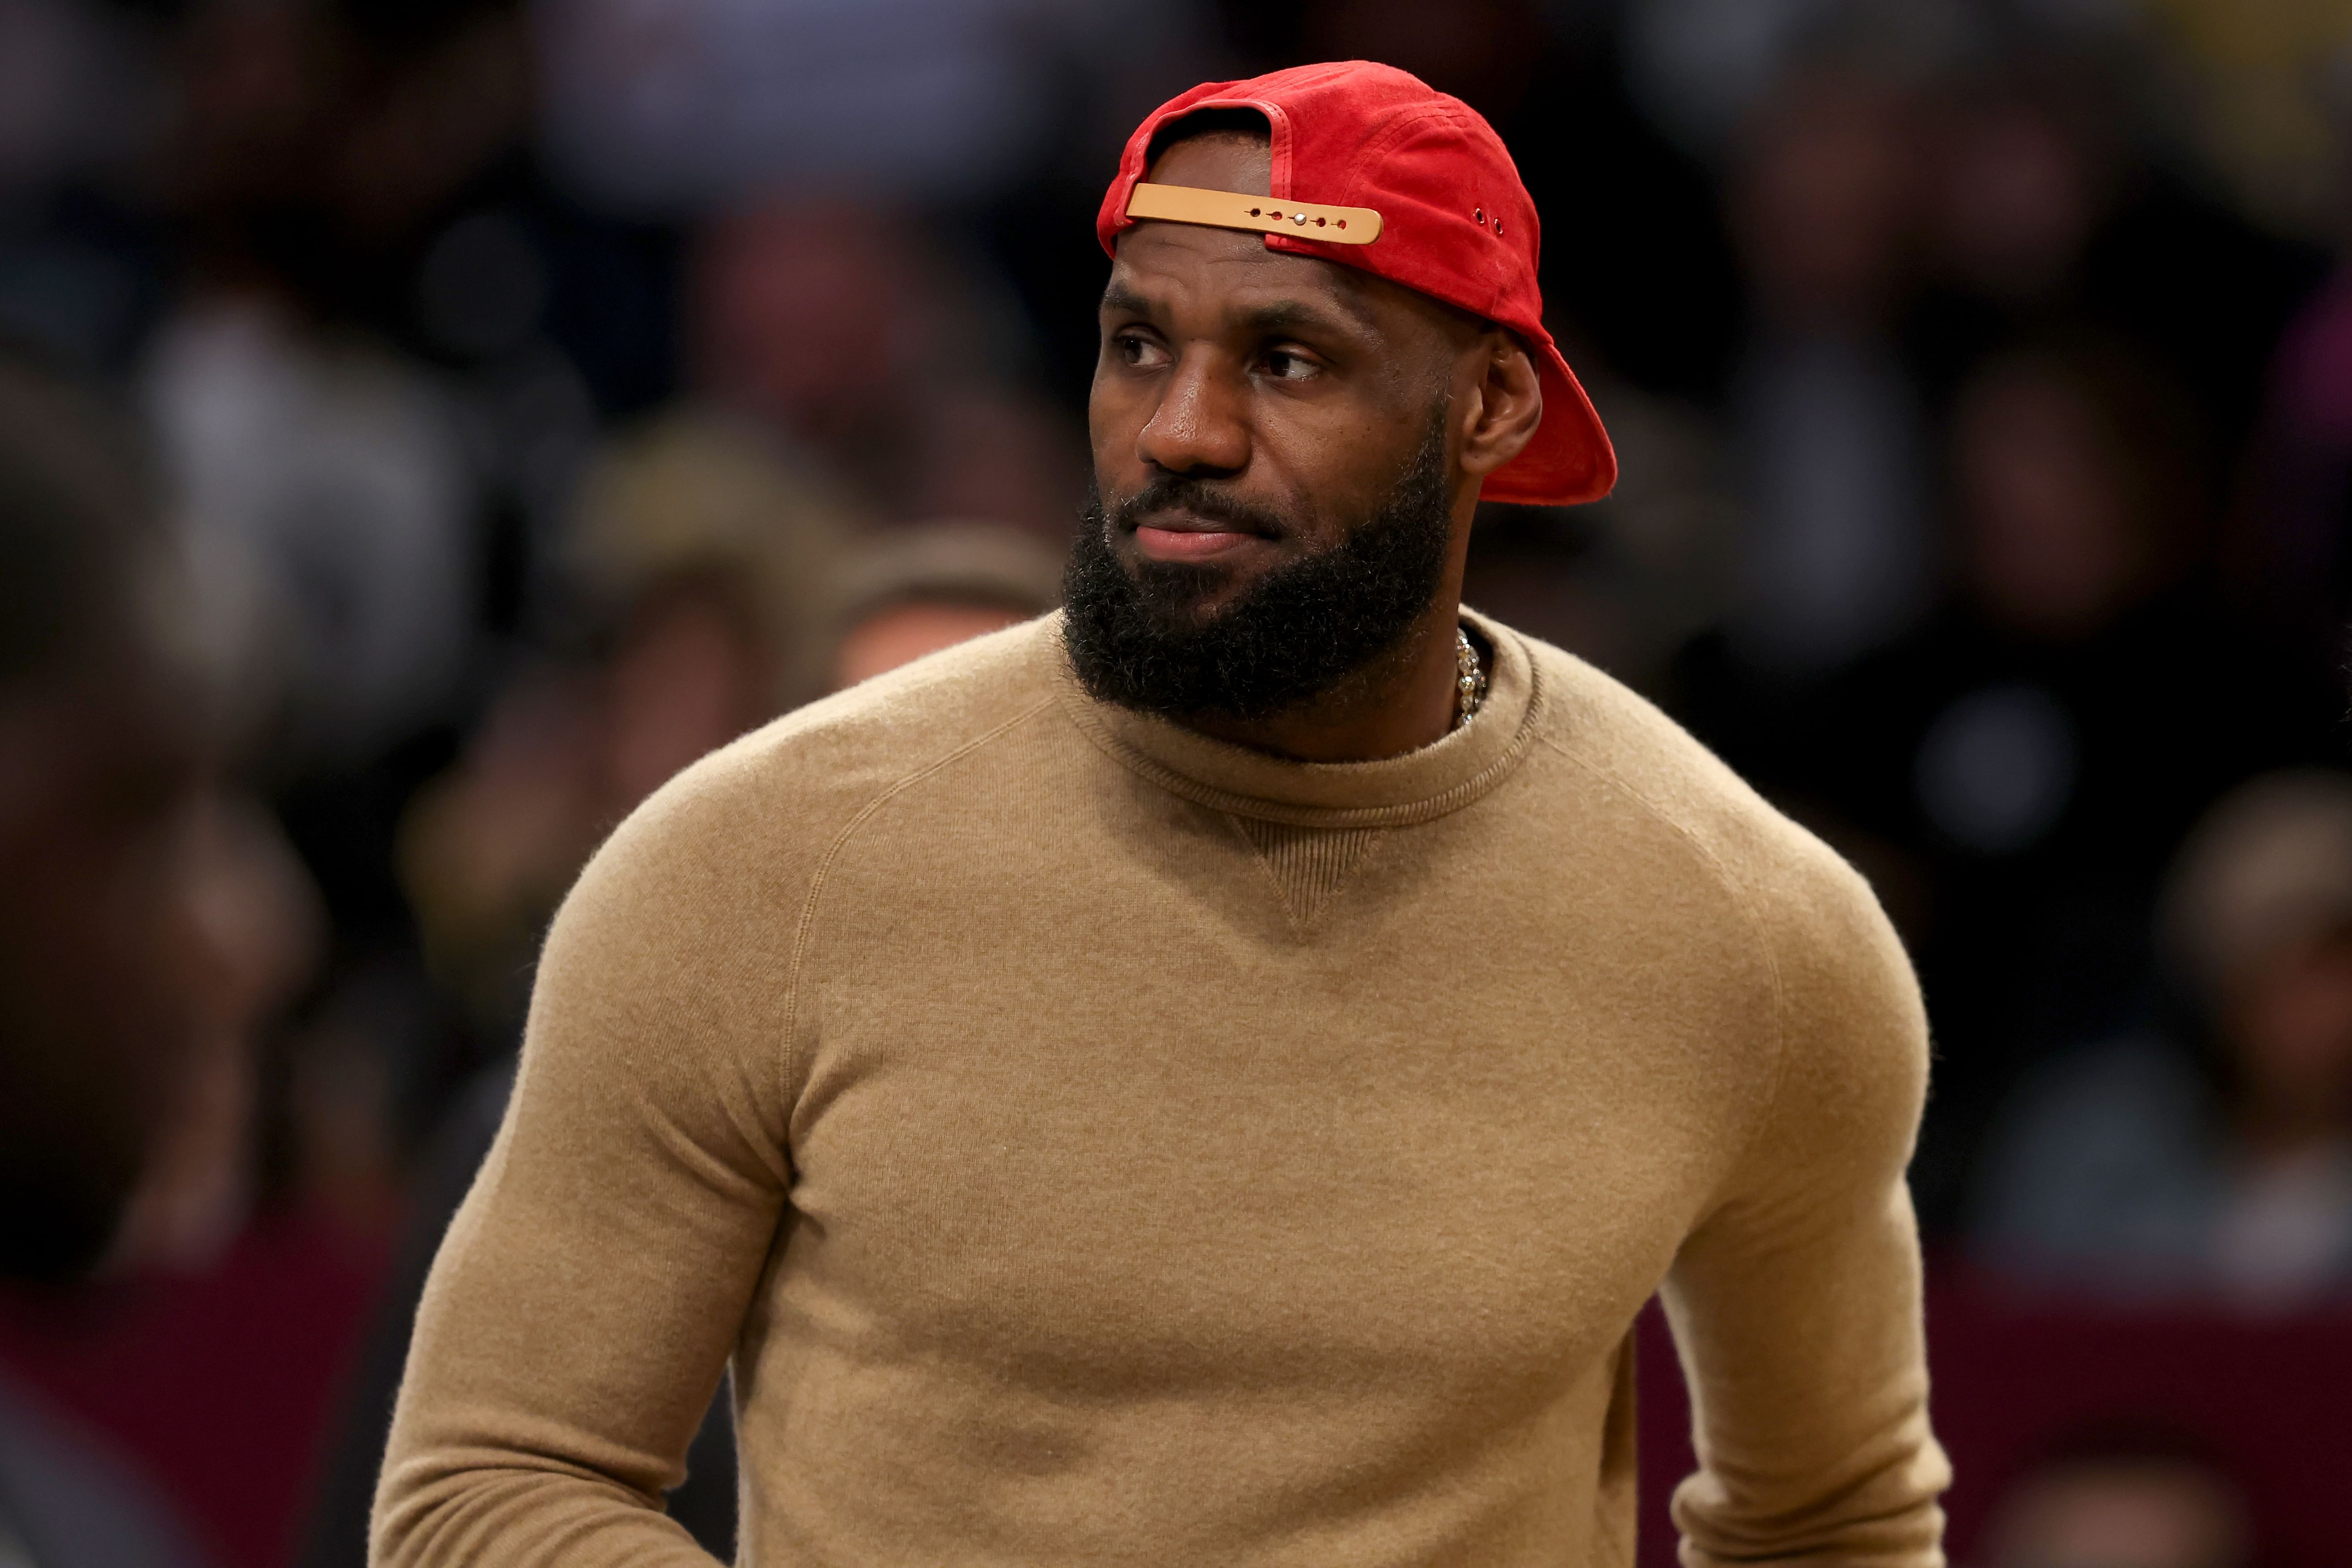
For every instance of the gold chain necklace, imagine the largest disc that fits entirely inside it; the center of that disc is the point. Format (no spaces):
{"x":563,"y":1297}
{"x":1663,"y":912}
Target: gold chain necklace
{"x":1469,"y":679}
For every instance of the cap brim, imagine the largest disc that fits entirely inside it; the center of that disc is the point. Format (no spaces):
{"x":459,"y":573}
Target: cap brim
{"x":1570,"y":461}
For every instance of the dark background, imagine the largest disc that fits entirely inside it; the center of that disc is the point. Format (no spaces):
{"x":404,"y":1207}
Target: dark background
{"x":1983,"y":375}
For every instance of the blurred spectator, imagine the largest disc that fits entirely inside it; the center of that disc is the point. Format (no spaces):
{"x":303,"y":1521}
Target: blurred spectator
{"x":106,"y":958}
{"x":265,"y":932}
{"x":2263,"y":89}
{"x":488,"y":848}
{"x":80,"y":267}
{"x":2026,"y":163}
{"x":1703,"y":67}
{"x":2043,"y":211}
{"x":2217,"y":1158}
{"x":2031,"y":754}
{"x":377,"y":388}
{"x":104,"y":951}
{"x":679,"y":105}
{"x":846,"y":330}
{"x":714,"y":544}
{"x":68,"y":99}
{"x":325,"y":479}
{"x":356,"y":194}
{"x":2289,"y":554}
{"x":998,"y":120}
{"x":328,"y":502}
{"x":1834,"y":552}
{"x":1837,"y":553}
{"x":330,"y":509}
{"x":2123,"y":1500}
{"x":318,"y":143}
{"x":712,"y":555}
{"x":915,"y":591}
{"x":347,"y":1092}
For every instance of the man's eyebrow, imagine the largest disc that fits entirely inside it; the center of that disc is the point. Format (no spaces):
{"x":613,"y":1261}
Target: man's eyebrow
{"x":1284,"y":315}
{"x":1123,"y":300}
{"x":1275,"y":316}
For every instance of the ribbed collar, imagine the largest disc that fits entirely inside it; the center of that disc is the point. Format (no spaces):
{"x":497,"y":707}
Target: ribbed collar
{"x":1392,"y":793}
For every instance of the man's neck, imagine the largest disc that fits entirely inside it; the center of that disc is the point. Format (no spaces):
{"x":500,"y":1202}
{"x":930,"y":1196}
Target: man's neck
{"x":1399,"y":703}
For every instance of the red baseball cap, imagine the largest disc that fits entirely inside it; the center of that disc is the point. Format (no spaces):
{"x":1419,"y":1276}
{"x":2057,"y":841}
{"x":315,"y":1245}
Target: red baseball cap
{"x":1388,"y":175}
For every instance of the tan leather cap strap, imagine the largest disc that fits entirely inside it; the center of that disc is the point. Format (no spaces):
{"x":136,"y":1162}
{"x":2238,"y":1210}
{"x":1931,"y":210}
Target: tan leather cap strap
{"x":1267,"y":215}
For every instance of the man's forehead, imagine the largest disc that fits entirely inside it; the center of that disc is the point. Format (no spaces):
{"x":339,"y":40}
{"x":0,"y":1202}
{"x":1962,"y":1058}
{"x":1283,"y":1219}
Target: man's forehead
{"x":1166,"y":266}
{"x":1218,"y":160}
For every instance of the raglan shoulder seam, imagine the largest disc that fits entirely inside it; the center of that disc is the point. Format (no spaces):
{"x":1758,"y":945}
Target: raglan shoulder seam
{"x":807,"y":923}
{"x":1742,"y":899}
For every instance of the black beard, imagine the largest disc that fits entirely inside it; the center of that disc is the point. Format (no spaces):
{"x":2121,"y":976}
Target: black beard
{"x":1140,"y":639}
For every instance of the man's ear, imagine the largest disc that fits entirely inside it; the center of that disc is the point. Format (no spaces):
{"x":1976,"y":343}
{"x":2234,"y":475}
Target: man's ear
{"x":1506,"y":405}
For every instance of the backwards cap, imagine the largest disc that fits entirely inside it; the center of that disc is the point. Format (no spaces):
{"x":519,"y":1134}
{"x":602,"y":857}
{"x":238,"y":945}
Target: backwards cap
{"x":1375,"y":169}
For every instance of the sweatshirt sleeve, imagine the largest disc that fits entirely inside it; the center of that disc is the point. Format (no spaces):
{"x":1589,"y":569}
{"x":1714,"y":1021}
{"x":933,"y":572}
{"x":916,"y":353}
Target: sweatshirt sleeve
{"x":583,"y":1307}
{"x":1796,"y":1303}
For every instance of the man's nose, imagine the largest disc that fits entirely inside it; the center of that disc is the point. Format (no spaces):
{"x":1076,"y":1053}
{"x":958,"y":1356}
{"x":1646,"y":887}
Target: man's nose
{"x":1199,"y":425}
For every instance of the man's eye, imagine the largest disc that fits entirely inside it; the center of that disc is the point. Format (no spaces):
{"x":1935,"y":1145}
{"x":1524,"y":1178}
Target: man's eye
{"x":1284,"y":365}
{"x":1140,"y":352}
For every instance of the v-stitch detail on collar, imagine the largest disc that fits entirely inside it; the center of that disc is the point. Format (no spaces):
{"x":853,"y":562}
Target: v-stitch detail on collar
{"x":1307,"y":866}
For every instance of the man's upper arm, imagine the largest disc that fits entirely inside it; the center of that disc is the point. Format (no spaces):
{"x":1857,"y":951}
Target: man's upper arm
{"x":1796,"y":1304}
{"x":583,"y":1305}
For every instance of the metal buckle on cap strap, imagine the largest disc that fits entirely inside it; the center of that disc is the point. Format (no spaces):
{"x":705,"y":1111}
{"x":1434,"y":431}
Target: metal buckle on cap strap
{"x":1227,"y":209}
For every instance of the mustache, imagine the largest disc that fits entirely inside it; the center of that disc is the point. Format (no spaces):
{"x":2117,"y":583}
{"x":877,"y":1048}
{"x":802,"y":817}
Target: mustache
{"x":1202,"y":497}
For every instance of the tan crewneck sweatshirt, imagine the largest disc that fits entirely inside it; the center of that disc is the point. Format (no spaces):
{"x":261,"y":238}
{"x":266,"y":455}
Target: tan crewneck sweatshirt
{"x":1093,"y":1144}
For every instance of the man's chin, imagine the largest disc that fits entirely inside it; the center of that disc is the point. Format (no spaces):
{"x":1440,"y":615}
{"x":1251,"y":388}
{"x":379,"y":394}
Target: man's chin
{"x":1264,"y":628}
{"x":1183,"y":593}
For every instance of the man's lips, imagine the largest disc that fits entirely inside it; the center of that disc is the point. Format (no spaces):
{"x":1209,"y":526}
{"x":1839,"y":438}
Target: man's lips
{"x":1180,"y":536}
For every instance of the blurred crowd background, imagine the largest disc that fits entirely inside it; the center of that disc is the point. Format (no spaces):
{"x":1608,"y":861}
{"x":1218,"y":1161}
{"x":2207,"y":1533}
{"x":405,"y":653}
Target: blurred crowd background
{"x":500,"y":405}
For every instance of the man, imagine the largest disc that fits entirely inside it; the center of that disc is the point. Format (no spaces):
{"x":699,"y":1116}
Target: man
{"x":103,"y":962}
{"x":1211,"y":1078}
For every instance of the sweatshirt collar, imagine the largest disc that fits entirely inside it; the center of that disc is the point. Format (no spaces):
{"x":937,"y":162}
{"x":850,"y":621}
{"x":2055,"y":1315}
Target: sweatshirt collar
{"x":1394,"y":792}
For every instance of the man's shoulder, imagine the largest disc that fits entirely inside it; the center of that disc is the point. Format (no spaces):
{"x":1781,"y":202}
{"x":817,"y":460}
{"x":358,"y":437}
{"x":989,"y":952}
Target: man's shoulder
{"x":784,"y":791}
{"x":1845,"y":1005}
{"x":1614,"y":739}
